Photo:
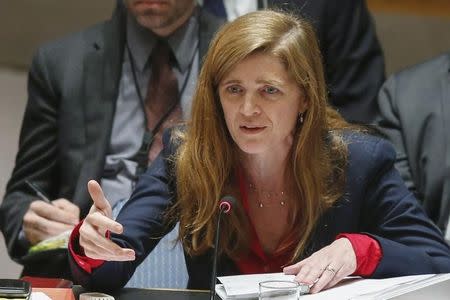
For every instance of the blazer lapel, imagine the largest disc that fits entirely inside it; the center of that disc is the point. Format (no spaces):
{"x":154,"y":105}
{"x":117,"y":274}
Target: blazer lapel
{"x":103,"y":68}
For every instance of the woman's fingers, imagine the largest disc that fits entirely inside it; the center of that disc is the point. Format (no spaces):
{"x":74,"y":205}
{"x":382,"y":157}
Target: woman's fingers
{"x":326,"y":267}
{"x":93,"y":230}
{"x":328,"y":274}
{"x":97,"y":246}
{"x":292,"y":269}
{"x":309,"y":271}
{"x":100,"y":202}
{"x":341,"y":274}
{"x":102,"y":223}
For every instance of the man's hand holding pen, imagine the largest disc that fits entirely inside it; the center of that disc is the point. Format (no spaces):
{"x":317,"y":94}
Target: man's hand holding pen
{"x":45,"y":219}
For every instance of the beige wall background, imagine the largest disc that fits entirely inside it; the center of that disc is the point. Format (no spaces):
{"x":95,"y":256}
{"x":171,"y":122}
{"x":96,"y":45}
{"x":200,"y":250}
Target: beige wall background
{"x":24,"y":24}
{"x":410,"y":31}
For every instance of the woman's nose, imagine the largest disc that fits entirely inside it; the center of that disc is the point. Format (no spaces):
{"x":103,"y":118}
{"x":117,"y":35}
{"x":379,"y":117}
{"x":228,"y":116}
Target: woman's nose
{"x":250,"y":105}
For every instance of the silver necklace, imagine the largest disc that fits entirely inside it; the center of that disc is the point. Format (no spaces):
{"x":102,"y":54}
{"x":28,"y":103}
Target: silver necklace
{"x":269,"y":196}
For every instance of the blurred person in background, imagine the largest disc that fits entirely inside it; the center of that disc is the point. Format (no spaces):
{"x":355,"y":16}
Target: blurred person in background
{"x":98,"y":101}
{"x":415,"y":116}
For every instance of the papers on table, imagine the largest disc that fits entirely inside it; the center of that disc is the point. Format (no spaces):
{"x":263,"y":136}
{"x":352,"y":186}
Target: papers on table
{"x":355,"y":288}
{"x":39,"y":296}
{"x":245,"y":286}
{"x":362,"y":289}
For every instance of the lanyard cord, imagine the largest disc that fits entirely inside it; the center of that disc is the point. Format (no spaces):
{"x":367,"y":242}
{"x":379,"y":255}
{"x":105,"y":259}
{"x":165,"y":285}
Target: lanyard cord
{"x":141,"y":157}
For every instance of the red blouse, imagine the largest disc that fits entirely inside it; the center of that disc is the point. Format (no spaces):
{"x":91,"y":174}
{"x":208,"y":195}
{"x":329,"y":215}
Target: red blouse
{"x":367,"y":250}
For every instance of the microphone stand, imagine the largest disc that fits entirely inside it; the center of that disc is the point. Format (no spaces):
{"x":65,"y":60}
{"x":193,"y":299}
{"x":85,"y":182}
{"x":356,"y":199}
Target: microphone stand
{"x":225,"y":205}
{"x":216,"y":246}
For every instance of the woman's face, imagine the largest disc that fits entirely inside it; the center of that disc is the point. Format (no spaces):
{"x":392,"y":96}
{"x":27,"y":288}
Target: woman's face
{"x":261,"y":103}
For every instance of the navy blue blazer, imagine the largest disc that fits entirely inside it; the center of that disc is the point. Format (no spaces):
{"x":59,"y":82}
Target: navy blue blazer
{"x":376,"y":202}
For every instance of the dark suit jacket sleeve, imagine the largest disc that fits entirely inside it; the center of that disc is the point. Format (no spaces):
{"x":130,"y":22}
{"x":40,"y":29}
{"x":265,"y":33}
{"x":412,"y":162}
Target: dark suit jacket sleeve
{"x":143,"y":221}
{"x":353,"y":59}
{"x":391,"y":125}
{"x":410,"y":242}
{"x":35,"y":159}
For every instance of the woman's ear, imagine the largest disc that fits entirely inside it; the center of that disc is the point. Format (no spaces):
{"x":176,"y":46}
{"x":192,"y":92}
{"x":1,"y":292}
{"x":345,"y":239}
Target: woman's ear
{"x":304,"y":101}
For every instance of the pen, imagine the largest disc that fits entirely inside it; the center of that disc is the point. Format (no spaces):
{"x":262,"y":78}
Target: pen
{"x":38,"y":191}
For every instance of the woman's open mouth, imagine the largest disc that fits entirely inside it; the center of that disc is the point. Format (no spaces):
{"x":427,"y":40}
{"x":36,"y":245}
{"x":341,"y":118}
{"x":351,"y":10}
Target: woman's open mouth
{"x":252,"y":129}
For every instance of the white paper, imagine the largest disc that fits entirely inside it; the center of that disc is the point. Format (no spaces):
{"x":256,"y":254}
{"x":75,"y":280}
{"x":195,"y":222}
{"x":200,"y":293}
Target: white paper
{"x":246,"y":286}
{"x":399,"y":289}
{"x":39,"y":296}
{"x":363,"y":288}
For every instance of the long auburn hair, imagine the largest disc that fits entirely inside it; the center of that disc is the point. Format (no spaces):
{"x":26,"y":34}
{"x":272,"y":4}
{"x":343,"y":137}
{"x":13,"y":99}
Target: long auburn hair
{"x":206,"y":161}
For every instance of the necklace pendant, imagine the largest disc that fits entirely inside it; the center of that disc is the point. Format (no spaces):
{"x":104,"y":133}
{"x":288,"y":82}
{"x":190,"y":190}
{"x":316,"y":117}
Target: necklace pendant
{"x":282,"y":203}
{"x":261,"y":205}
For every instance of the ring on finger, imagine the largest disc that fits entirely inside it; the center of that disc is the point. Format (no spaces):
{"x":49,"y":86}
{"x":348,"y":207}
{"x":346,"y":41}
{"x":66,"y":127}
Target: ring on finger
{"x":330,"y":269}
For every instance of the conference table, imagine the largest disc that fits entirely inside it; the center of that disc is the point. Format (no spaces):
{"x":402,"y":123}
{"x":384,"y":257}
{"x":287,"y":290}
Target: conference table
{"x":154,"y":294}
{"x":437,"y":291}
{"x":435,"y":287}
{"x":129,"y":294}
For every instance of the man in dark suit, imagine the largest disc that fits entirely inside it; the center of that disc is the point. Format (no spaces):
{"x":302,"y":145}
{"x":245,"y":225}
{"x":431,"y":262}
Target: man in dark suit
{"x":352,"y":54}
{"x":87,"y":114}
{"x":415,"y":116}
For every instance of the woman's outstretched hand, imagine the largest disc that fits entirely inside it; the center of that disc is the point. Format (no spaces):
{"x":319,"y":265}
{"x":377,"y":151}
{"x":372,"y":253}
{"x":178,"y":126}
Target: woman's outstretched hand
{"x":93,"y":230}
{"x":325,"y":267}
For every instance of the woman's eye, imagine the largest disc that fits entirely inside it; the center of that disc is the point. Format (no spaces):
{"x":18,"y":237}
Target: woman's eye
{"x":271,"y":90}
{"x":234,"y":89}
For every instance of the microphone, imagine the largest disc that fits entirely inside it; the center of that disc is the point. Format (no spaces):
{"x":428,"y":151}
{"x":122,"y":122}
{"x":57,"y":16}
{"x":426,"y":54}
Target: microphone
{"x":225,"y":206}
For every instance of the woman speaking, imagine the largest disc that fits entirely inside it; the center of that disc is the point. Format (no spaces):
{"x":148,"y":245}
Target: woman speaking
{"x":316,"y":196}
